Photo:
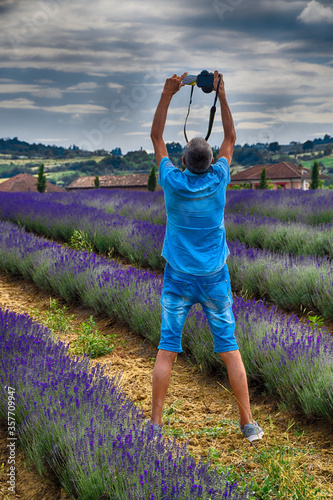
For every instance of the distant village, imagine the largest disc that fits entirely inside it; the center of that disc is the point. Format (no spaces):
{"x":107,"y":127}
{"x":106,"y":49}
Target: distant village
{"x":270,"y":166}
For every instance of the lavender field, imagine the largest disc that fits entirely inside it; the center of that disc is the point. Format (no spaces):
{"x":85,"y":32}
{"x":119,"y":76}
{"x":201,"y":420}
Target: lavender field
{"x":286,"y":262}
{"x":88,"y":433}
{"x":278,"y":262}
{"x":278,"y":350}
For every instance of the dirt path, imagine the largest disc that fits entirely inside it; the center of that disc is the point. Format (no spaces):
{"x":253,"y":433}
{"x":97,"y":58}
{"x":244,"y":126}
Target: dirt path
{"x":198,"y":409}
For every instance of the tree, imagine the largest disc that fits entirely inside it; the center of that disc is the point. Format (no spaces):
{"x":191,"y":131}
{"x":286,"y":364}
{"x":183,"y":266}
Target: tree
{"x":174,"y":148}
{"x":116,"y":152}
{"x":96,"y":182}
{"x":152,"y":179}
{"x":41,"y":179}
{"x":263,"y":180}
{"x":328,"y":149}
{"x":274,"y":147}
{"x":308,"y":146}
{"x":315,"y":176}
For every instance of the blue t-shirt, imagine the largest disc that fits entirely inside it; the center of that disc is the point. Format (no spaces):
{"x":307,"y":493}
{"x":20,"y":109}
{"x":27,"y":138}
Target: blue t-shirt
{"x":195,"y":240}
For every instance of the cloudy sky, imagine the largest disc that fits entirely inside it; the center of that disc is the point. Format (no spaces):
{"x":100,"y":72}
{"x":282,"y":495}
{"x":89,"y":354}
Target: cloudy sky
{"x":90,"y":73}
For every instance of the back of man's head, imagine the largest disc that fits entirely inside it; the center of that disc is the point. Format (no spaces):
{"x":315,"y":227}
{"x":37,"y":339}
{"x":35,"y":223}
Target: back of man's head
{"x":198,"y":155}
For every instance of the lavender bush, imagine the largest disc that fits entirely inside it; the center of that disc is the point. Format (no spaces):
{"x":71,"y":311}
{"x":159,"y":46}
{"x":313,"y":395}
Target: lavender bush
{"x":290,"y":205}
{"x":75,"y":421}
{"x":292,"y":238}
{"x":290,"y":358}
{"x":289,"y":282}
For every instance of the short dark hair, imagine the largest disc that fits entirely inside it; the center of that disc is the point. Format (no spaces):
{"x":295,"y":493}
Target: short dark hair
{"x":198,"y":155}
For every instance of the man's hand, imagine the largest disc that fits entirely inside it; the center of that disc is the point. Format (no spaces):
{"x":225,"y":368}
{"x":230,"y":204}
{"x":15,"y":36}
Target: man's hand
{"x":173,"y":84}
{"x":171,"y":87}
{"x":218,"y":75}
{"x":228,"y":143}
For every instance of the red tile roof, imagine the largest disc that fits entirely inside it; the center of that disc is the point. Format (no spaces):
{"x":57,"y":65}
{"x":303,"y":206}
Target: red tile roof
{"x":274,"y":171}
{"x":111,"y":181}
{"x":26,"y":182}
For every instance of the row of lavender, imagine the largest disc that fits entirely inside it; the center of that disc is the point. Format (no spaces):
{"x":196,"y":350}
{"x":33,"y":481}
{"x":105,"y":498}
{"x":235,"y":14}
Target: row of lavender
{"x":291,"y":282}
{"x":299,"y":223}
{"x":75,"y":421}
{"x":291,"y":205}
{"x":297,"y":238}
{"x":289,"y":357}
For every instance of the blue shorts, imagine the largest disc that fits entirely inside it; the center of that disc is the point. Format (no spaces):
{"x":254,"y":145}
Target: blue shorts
{"x":213,"y":292}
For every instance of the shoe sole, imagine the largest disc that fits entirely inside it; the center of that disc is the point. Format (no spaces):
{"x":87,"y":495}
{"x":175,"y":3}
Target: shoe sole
{"x":255,"y":437}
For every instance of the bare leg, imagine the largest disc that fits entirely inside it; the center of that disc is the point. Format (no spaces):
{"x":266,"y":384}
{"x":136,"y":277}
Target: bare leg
{"x":238,"y":382}
{"x":161,"y":382}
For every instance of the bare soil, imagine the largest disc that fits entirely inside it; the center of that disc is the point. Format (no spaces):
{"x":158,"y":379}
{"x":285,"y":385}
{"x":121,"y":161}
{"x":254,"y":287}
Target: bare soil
{"x":196,"y":406}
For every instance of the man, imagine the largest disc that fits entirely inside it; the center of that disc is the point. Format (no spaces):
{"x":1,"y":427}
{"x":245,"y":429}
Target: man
{"x":195,"y":250}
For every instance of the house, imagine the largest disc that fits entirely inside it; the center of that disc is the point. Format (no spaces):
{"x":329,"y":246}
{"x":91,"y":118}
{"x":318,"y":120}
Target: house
{"x":282,"y":175}
{"x":26,"y":182}
{"x":137,"y":182}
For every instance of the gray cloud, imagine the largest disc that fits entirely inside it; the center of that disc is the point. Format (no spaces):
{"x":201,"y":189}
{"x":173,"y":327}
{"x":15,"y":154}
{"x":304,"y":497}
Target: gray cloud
{"x":71,"y":65}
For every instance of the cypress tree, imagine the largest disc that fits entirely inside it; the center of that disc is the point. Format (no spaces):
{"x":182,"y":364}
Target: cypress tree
{"x":96,"y":182}
{"x":263,"y":181}
{"x":315,"y":176}
{"x":41,"y":180}
{"x":152,"y":179}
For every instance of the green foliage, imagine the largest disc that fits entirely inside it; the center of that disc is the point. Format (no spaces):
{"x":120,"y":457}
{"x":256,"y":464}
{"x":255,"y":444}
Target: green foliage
{"x":239,"y":186}
{"x":274,"y":147}
{"x":316,"y":320}
{"x":249,"y":155}
{"x":41,"y":180}
{"x":315,"y":176}
{"x":80,"y":241}
{"x":263,"y":181}
{"x":96,"y":182}
{"x":57,"y":318}
{"x":91,"y":342}
{"x":152,"y":179}
{"x":308,"y":145}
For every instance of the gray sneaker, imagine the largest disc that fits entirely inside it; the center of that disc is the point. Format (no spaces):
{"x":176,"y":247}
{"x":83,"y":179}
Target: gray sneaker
{"x":252,"y":431}
{"x":157,"y":429}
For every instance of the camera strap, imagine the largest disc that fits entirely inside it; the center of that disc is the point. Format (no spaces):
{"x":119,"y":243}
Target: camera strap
{"x":211,"y":115}
{"x":188,"y":112}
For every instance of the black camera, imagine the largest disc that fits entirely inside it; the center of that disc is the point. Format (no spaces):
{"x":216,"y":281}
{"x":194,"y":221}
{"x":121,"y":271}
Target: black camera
{"x":204,"y":80}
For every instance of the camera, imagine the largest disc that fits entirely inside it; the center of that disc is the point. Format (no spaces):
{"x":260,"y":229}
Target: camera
{"x":204,"y":80}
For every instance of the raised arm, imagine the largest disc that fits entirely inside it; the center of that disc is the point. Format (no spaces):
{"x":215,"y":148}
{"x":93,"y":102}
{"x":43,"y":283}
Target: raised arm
{"x":171,"y":87}
{"x":229,"y":140}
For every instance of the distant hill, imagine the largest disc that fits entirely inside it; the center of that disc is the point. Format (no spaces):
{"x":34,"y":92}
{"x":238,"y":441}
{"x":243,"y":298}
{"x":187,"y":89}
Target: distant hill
{"x":65,"y":165}
{"x":17,"y":148}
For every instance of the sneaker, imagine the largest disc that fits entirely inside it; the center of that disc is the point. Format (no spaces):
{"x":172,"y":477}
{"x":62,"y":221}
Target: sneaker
{"x":252,"y":431}
{"x":157,"y":429}
{"x":153,"y":429}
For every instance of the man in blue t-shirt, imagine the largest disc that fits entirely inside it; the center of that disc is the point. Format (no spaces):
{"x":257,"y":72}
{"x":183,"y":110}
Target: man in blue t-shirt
{"x":195,"y":251}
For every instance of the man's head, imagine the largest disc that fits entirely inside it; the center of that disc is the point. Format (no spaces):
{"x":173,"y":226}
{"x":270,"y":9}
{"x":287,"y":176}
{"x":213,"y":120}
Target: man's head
{"x":198,"y":156}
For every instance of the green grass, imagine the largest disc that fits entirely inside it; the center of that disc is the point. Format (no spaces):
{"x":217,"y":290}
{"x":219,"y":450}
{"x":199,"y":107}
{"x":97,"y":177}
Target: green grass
{"x":54,"y":176}
{"x":57,"y":319}
{"x":327,"y":161}
{"x":89,"y":341}
{"x":274,"y":467}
